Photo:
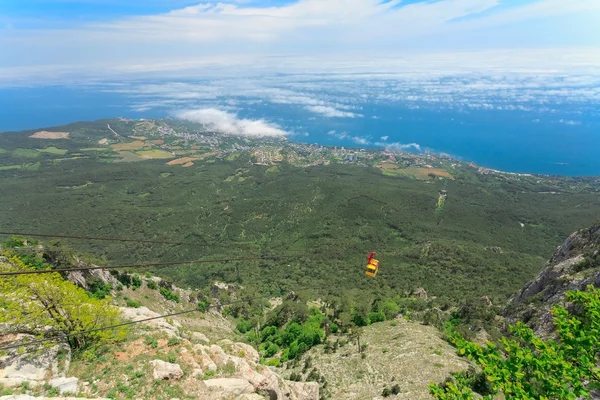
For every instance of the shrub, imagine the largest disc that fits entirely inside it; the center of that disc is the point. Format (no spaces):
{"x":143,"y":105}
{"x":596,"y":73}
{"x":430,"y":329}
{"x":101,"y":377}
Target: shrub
{"x":374,"y":317}
{"x":524,"y":366}
{"x":169,"y":295}
{"x":132,"y":303}
{"x":151,"y":285}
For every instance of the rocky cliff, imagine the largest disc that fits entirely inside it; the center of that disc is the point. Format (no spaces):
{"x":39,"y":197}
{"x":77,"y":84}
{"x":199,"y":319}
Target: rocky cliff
{"x":573,"y":266}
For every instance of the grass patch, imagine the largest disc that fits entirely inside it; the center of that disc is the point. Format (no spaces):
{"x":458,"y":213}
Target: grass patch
{"x":127,"y":156}
{"x":24,"y":167}
{"x":54,"y":150}
{"x":28,"y":153}
{"x":273,"y":169}
{"x":138,"y":144}
{"x":154,"y":154}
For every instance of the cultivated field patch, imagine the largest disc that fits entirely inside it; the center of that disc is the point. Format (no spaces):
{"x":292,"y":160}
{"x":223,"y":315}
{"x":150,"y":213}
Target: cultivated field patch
{"x":181,"y":161}
{"x":138,"y":144}
{"x":150,"y":154}
{"x":50,"y":135}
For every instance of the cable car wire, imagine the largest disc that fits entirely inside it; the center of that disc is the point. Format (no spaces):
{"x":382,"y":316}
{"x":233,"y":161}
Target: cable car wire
{"x":145,"y":265}
{"x":113,"y":239}
{"x":38,"y":341}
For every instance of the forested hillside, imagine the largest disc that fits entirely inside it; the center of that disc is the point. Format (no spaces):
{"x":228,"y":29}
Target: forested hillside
{"x":491,"y":236}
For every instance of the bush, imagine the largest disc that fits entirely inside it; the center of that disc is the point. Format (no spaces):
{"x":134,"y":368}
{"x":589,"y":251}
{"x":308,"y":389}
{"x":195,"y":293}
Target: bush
{"x":524,"y":366}
{"x":334,"y":328}
{"x":243,"y":326}
{"x":169,"y":295}
{"x":271,"y":350}
{"x":274,"y":362}
{"x":132,"y":303}
{"x":386,"y":392}
{"x":136,"y":282}
{"x":374,"y":317}
{"x":151,"y":285}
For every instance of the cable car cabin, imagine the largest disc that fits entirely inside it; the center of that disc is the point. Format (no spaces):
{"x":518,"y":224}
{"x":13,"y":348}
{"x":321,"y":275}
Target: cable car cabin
{"x":372,"y":267}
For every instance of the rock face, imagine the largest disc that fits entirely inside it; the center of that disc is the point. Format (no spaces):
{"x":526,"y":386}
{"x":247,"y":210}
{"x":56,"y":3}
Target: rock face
{"x":33,"y":367}
{"x":249,"y":377}
{"x":136,"y":314}
{"x":573,"y":266}
{"x":165,"y":370}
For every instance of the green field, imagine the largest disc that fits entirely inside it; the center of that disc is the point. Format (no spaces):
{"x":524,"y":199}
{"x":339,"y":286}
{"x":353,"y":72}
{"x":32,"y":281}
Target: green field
{"x":28,"y":153}
{"x":54,"y":150}
{"x":154,"y":154}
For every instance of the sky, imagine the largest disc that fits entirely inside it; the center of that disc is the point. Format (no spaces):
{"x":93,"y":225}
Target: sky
{"x":49,"y":39}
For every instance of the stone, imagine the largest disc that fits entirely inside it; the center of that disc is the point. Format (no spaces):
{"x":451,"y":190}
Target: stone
{"x":206,"y":363}
{"x":65,"y":384}
{"x":136,"y":314}
{"x":246,"y":351}
{"x":250,"y":396}
{"x":218,"y":356}
{"x":233,"y":385}
{"x":199,"y":337}
{"x":32,"y":367}
{"x":304,"y":390}
{"x":165,"y":370}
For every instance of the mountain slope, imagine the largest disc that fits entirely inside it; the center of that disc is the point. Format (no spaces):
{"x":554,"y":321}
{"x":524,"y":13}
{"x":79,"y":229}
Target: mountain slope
{"x":573,"y":266}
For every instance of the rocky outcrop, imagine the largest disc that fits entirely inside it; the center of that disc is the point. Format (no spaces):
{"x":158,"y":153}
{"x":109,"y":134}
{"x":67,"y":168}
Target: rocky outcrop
{"x":164,"y":370}
{"x":249,"y":376}
{"x":136,"y":314}
{"x":82,"y":278}
{"x":34,"y":367}
{"x":573,"y":266}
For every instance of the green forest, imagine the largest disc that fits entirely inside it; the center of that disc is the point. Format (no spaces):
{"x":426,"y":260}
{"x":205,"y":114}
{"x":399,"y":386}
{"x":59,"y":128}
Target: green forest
{"x":491,"y":236}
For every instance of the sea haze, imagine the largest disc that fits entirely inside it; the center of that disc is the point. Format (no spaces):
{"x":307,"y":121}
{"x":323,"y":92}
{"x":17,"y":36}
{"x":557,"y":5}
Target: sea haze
{"x":520,"y":123}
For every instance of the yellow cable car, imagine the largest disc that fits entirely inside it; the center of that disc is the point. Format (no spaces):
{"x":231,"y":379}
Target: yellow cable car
{"x":372,"y":266}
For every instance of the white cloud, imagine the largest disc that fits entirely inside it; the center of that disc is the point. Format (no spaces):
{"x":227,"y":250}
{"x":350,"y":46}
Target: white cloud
{"x":399,"y":146}
{"x":332,"y":112}
{"x":240,"y":34}
{"x":569,"y":122}
{"x":229,"y":123}
{"x":384,"y":138}
{"x":355,"y":139}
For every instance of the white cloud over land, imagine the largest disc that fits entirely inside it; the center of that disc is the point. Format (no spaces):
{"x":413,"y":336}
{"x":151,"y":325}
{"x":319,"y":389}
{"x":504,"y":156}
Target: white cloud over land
{"x":229,"y":123}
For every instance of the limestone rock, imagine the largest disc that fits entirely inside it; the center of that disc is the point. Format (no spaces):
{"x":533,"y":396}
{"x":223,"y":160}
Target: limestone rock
{"x":250,"y":396}
{"x":246,"y":351}
{"x":573,"y":266}
{"x":199,"y":337}
{"x":218,"y":356}
{"x":165,"y":370}
{"x":136,"y":314}
{"x":233,"y":385}
{"x":32,"y":367}
{"x":420,"y":293}
{"x":304,"y":390}
{"x":65,"y":384}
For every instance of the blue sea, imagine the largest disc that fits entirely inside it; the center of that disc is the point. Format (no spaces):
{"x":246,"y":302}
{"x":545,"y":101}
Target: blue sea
{"x":562,"y":142}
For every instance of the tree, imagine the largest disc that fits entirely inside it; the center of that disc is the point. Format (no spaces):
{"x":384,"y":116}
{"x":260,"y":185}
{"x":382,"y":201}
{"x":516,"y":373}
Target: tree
{"x":524,"y":366}
{"x":46,"y":305}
